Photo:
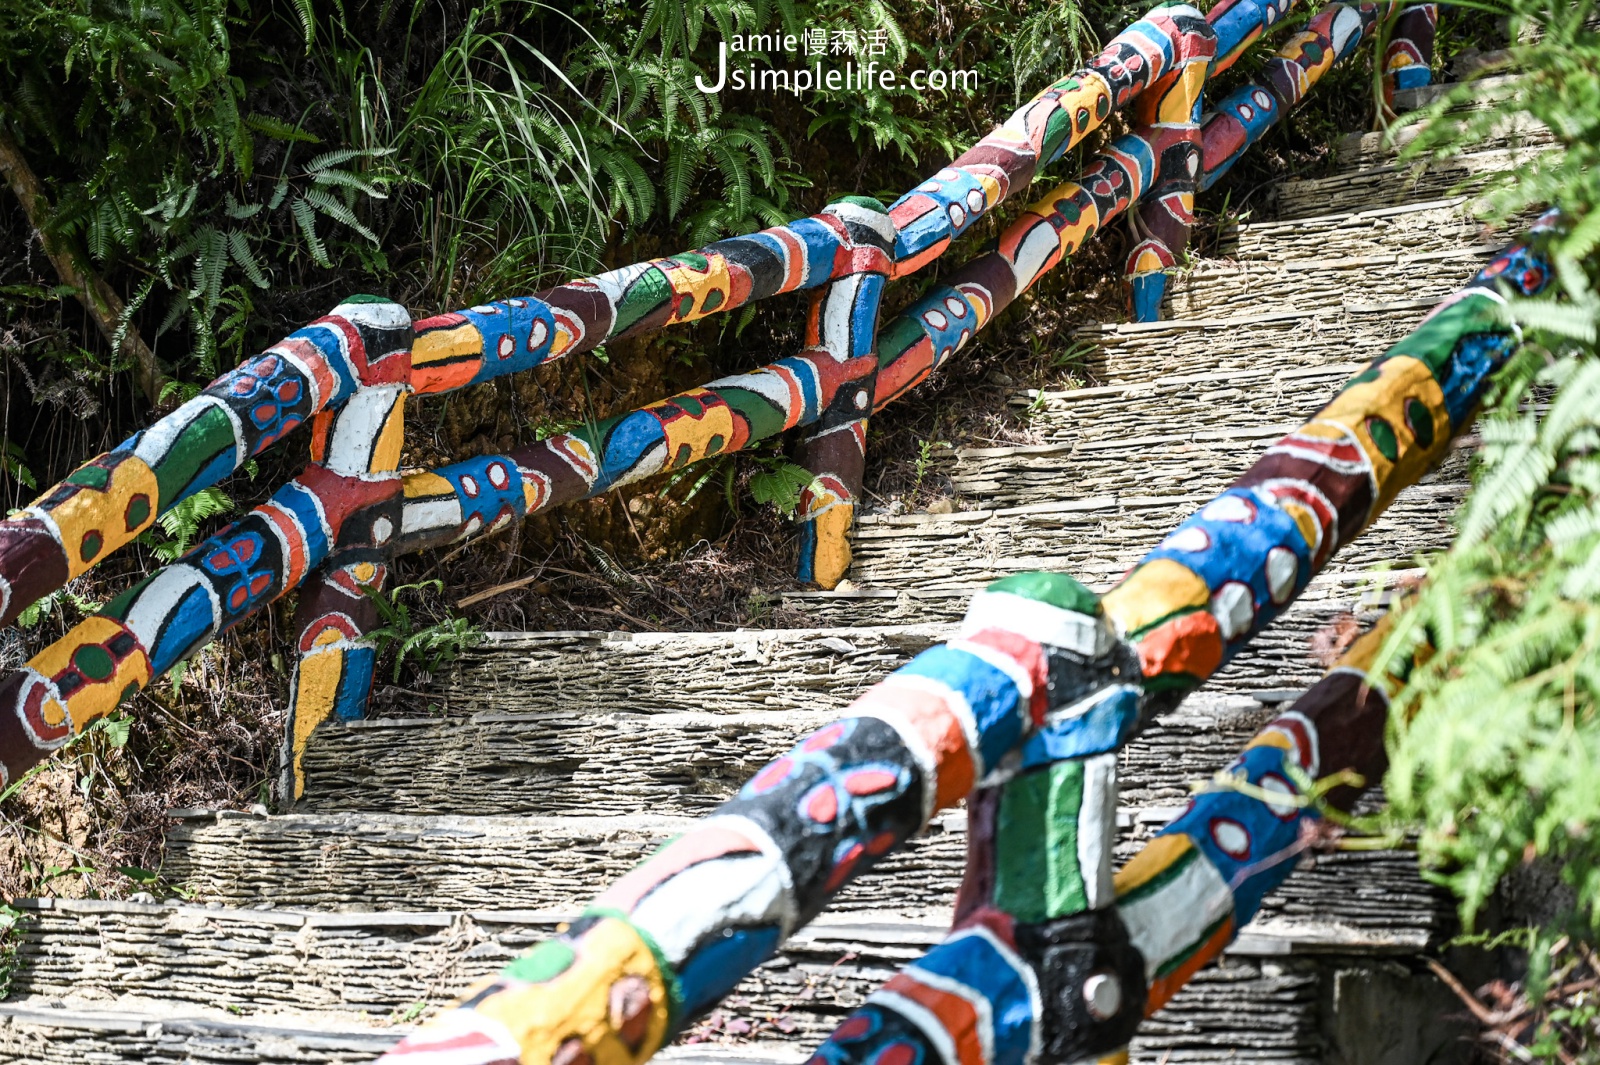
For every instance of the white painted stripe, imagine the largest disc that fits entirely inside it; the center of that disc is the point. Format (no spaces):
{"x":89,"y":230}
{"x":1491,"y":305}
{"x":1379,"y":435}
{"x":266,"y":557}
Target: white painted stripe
{"x":384,"y":315}
{"x":418,"y":515}
{"x":1041,"y":622}
{"x":838,"y":310}
{"x":1097,"y":828}
{"x":1038,"y":245}
{"x":157,"y":600}
{"x":877,"y":221}
{"x":753,"y":832}
{"x":1024,"y":973}
{"x":615,"y":282}
{"x":1167,"y":923}
{"x":356,"y":429}
{"x":1001,"y":661}
{"x":980,"y":1004}
{"x":702,"y":901}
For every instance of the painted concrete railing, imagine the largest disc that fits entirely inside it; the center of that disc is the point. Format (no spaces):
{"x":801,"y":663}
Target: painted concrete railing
{"x":349,"y":374}
{"x":1051,"y":957}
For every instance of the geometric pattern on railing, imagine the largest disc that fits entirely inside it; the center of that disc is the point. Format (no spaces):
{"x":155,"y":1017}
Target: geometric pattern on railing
{"x":1050,"y":957}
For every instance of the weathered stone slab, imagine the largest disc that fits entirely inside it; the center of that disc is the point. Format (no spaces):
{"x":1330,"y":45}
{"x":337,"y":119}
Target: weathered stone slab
{"x":356,"y":862}
{"x":356,"y":968}
{"x":578,"y":762}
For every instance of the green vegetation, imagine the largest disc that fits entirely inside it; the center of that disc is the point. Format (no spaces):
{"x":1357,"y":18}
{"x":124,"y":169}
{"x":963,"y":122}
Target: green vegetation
{"x":1496,"y":742}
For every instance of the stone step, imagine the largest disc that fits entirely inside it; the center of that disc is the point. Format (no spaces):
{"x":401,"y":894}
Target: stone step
{"x":54,"y":1032}
{"x":352,"y":862}
{"x":1388,"y":183}
{"x":1097,"y":539}
{"x":1271,"y":1000}
{"x":587,"y":760}
{"x":51,"y":1032}
{"x":754,"y":671}
{"x":1288,"y":339}
{"x":1383,"y":255}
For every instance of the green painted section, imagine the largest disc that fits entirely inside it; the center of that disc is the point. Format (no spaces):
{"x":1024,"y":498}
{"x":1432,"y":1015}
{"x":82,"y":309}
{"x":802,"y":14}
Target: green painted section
{"x":757,"y":411}
{"x":1383,"y":437}
{"x":648,"y":291}
{"x":1420,"y":420}
{"x":1037,"y":877}
{"x":1057,"y":589}
{"x":1434,"y":341}
{"x":864,"y":201}
{"x":897,"y":338}
{"x":545,"y":962}
{"x":201,"y":441}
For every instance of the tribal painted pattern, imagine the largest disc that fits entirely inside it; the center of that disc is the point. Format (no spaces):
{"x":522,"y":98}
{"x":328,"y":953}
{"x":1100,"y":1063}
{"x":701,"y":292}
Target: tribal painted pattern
{"x":1050,"y":957}
{"x":111,"y":500}
{"x":1242,"y":117}
{"x":830,"y":378}
{"x":1408,"y":58}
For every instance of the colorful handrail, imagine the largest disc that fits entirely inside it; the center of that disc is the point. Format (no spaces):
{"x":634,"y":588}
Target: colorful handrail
{"x":1050,"y":957}
{"x":149,"y":629}
{"x":1029,"y":703}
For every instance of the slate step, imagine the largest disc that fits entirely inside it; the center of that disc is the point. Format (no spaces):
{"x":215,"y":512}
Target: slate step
{"x":661,"y":672}
{"x":1389,"y":183}
{"x":591,"y":762}
{"x":353,"y":862}
{"x":1287,"y":339}
{"x":1268,"y":1002}
{"x":52,"y":1032}
{"x":1376,"y":256}
{"x":1097,"y":539}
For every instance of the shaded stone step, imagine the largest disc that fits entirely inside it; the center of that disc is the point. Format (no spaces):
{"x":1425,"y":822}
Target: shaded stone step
{"x":1097,"y":539}
{"x":1390,"y":183}
{"x":365,"y":967}
{"x":346,"y":861}
{"x":52,"y":1032}
{"x":589,"y":762}
{"x":1140,"y":353}
{"x":1383,"y":255}
{"x":662,"y":672}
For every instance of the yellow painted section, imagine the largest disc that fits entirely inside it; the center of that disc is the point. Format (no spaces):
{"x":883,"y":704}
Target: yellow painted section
{"x":1400,"y":379}
{"x":316,"y":687}
{"x":439,"y":345}
{"x":1074,"y":235}
{"x":577,"y":1003}
{"x":423,"y":484}
{"x":832,"y":560}
{"x":1270,"y":739}
{"x":1153,"y":591}
{"x":687,"y":280}
{"x":386,"y":449}
{"x":98,"y":697}
{"x":1116,"y":1057}
{"x":1177,"y":106}
{"x":697,"y":433}
{"x":1159,"y":855}
{"x":103,"y":511}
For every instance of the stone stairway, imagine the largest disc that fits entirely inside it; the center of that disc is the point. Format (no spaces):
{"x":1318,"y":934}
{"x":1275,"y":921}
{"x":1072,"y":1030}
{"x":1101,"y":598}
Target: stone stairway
{"x":437,"y":842}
